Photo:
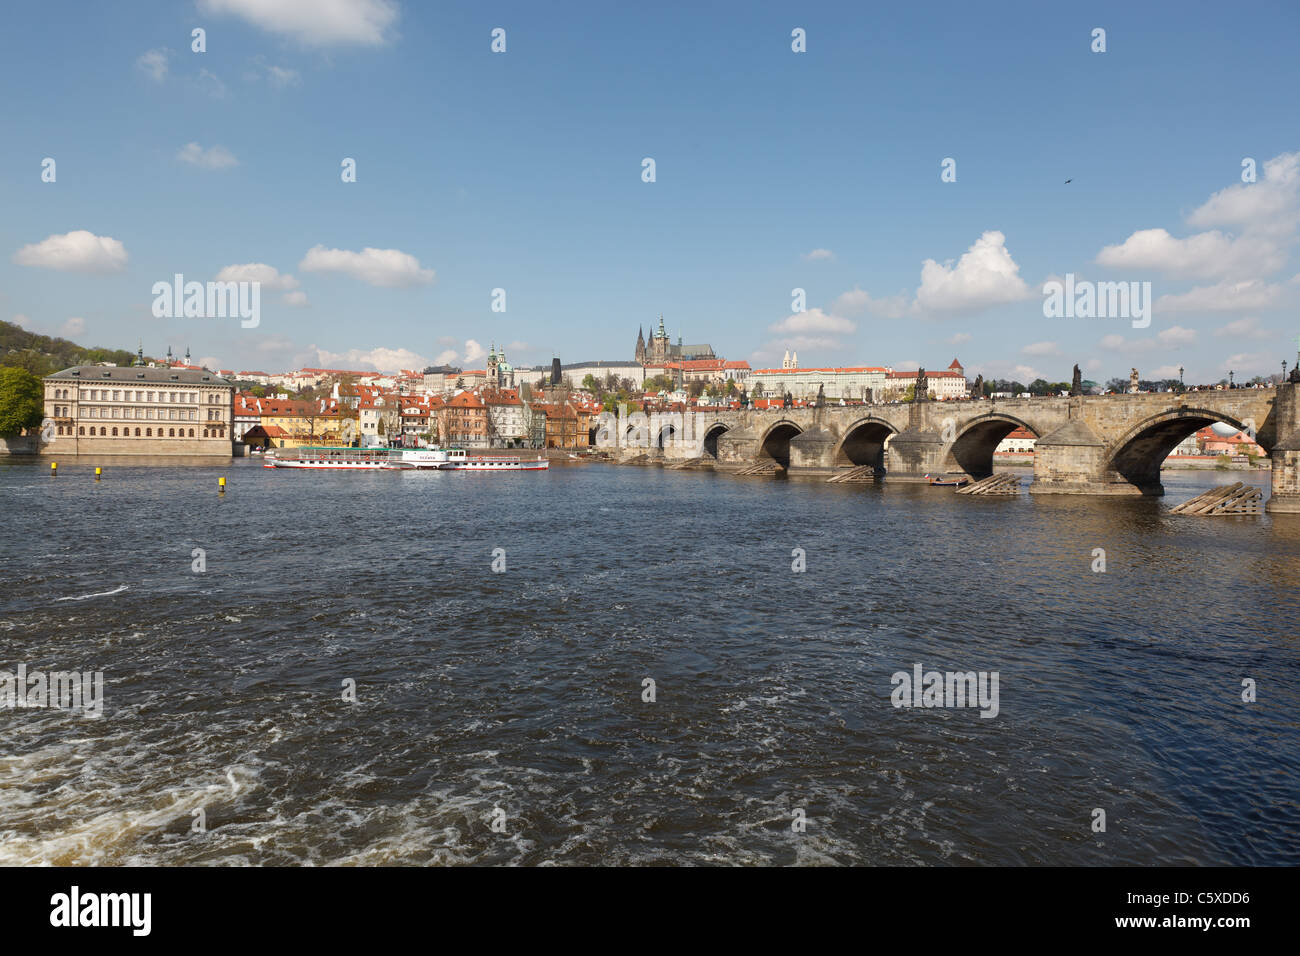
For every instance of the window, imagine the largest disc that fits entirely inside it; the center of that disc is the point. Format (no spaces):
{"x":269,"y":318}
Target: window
{"x":191,"y":433}
{"x":117,"y":395}
{"x":114,"y":432}
{"x":137,"y":433}
{"x":153,"y":396}
{"x":148,"y":433}
{"x":102,"y":431}
{"x":81,"y":429}
{"x":171,"y":433}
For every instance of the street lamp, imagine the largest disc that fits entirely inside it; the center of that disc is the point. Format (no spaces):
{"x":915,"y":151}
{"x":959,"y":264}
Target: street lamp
{"x":1230,"y":385}
{"x":1180,"y":378}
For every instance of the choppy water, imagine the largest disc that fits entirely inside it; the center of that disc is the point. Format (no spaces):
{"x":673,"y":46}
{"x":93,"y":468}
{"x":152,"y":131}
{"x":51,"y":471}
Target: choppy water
{"x":522,"y":690}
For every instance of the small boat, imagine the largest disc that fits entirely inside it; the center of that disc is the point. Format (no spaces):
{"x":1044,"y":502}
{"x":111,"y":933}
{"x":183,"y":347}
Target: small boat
{"x":944,"y":481}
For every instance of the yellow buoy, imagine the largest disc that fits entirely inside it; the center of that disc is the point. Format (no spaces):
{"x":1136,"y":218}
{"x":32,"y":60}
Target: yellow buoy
{"x":54,"y":468}
{"x":98,"y":472}
{"x":221,"y":484}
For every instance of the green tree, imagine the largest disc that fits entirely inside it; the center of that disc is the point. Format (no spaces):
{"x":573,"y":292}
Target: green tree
{"x":21,"y":401}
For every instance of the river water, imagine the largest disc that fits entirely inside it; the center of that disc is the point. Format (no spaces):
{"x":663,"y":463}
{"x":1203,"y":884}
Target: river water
{"x":516,"y":696}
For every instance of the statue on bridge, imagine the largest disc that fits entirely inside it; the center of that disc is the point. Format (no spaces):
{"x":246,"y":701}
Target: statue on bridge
{"x":921,"y":391}
{"x":744,"y":397}
{"x":1076,"y":384}
{"x":787,"y":400}
{"x":821,"y":397}
{"x":977,"y":390}
{"x":1133,"y":388}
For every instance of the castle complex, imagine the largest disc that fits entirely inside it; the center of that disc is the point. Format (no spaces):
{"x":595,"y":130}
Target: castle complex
{"x":660,"y":350}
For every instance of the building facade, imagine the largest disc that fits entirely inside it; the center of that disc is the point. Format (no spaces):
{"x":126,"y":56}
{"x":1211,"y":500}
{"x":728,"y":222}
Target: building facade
{"x":851,"y":383}
{"x":132,"y":410}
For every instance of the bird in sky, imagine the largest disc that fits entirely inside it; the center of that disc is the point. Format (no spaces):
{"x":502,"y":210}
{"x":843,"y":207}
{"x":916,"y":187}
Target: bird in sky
{"x":1068,"y":181}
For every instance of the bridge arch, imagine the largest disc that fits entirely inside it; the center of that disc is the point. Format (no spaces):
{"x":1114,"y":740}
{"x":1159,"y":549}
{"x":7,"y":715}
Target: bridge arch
{"x":971,"y":451}
{"x":775,"y":443}
{"x":1136,"y":456}
{"x":711,"y":435}
{"x":864,"y":443}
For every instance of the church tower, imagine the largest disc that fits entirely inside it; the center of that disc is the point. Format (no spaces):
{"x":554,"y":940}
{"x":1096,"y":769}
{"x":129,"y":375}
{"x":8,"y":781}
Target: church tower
{"x":640,"y":346}
{"x":493,"y":380}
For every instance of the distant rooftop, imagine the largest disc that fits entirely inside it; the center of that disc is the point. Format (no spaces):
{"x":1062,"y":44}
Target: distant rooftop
{"x":132,"y":373}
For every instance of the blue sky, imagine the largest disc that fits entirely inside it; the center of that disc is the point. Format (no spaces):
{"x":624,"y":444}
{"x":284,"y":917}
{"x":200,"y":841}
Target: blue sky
{"x":523,"y":170}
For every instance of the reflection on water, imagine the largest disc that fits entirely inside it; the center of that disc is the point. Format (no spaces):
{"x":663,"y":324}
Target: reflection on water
{"x":522,"y":690}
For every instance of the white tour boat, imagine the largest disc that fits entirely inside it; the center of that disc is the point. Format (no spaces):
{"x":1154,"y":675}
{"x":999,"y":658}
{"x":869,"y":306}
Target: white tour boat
{"x":401,"y":459}
{"x":347,"y":459}
{"x":457,"y":459}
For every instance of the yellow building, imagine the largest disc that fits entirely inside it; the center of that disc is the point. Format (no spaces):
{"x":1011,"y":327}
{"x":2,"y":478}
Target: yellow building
{"x":133,"y":410}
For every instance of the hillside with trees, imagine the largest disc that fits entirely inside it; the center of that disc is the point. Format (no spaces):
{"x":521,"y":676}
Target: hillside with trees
{"x":42,"y":354}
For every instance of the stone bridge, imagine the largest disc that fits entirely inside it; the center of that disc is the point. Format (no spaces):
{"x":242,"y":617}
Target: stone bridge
{"x":1089,"y":445}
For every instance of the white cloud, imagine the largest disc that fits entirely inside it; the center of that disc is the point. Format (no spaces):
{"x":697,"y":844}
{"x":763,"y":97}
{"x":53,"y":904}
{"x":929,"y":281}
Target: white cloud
{"x":1207,"y":254}
{"x":1263,"y":216}
{"x":379,"y":267}
{"x":315,"y":22}
{"x":155,"y":63}
{"x":445,"y":358}
{"x":1009,"y":371}
{"x":76,"y":251}
{"x":22,"y":321}
{"x":1248,"y":295}
{"x":1176,"y":335}
{"x":268,"y":276}
{"x":214,"y":157}
{"x":819,"y":255}
{"x":73,"y":327}
{"x":961,"y":338}
{"x":211,"y":84}
{"x":856,"y":301}
{"x":1245,"y":329}
{"x":210,"y":362}
{"x":813,"y":320}
{"x":1247,"y":364}
{"x":1041,"y":349}
{"x":297,"y":298}
{"x":1267,"y":206}
{"x":1170,"y":338}
{"x":474,"y":352}
{"x":985,"y":275}
{"x":376,"y":359}
{"x":281,"y":77}
{"x":1161,"y":373}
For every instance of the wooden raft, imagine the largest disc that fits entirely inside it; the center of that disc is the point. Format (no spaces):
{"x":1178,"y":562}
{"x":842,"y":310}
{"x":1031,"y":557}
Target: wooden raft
{"x":993,"y":485}
{"x":1235,"y":499}
{"x":858,"y":473}
{"x":768,"y":468}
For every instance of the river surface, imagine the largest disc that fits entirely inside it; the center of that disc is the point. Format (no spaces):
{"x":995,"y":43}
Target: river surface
{"x":517,"y":696}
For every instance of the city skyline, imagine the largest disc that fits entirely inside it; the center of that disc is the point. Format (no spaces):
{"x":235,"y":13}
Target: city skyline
{"x":526,"y":177}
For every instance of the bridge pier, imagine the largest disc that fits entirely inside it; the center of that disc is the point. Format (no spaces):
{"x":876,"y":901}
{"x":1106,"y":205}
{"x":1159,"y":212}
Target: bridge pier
{"x":812,"y":452}
{"x":737,"y":447}
{"x":914,"y":453}
{"x":1071,"y":460}
{"x":1285,"y":499}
